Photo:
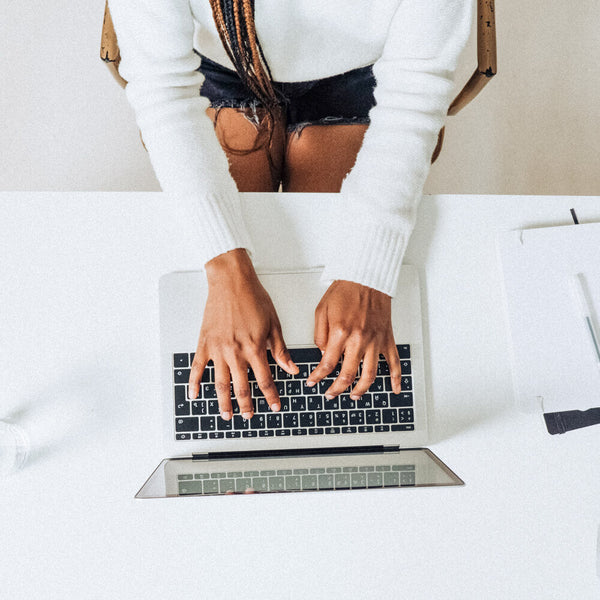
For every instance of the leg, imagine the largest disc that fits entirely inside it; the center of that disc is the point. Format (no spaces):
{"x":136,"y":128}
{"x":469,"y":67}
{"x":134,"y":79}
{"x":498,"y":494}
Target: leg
{"x":319,"y":157}
{"x":245,"y":144}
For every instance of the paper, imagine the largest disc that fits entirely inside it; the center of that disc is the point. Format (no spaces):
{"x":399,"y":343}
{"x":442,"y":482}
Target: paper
{"x":555,"y":367}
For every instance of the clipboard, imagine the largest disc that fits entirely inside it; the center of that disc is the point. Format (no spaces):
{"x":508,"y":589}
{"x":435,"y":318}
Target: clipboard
{"x":556,"y":370}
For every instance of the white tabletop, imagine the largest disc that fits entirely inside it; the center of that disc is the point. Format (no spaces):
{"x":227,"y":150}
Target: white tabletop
{"x":79,"y":367}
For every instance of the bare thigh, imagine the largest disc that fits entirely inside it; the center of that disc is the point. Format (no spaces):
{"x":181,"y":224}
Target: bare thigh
{"x":254,"y":164}
{"x":319,"y":157}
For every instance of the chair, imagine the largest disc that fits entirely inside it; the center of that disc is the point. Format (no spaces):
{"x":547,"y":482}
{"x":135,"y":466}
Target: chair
{"x":486,"y":59}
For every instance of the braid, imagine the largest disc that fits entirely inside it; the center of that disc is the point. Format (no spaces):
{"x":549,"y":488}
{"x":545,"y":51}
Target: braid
{"x":235,"y":23}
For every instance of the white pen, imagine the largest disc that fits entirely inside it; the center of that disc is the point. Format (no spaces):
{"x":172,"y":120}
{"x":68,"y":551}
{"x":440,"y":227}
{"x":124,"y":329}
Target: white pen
{"x":586,"y":313}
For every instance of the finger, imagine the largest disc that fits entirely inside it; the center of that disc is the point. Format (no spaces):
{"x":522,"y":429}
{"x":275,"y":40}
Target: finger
{"x":393,"y":360}
{"x":196,"y":372}
{"x":321,"y":329}
{"x":280,"y":352}
{"x":222,"y":386}
{"x":329,"y":360}
{"x":241,"y":389}
{"x":265,"y":382}
{"x":368,"y":373}
{"x":345,"y":379}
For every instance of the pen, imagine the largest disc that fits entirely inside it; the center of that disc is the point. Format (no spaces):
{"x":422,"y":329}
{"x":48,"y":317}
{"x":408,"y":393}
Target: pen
{"x":586,"y":313}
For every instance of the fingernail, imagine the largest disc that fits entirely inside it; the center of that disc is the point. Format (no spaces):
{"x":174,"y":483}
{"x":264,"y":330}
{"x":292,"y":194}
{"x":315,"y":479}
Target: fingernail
{"x":226,"y":415}
{"x":310,"y":383}
{"x":354,"y":397}
{"x":329,"y":396}
{"x":275,"y":407}
{"x":247,"y":415}
{"x":293,"y":366}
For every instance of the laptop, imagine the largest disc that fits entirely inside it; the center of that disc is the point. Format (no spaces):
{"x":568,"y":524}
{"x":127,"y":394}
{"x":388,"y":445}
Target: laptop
{"x":312,"y":444}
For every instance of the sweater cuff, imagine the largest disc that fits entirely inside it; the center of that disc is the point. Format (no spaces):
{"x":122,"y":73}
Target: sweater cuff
{"x":217,"y":224}
{"x":371,"y":256}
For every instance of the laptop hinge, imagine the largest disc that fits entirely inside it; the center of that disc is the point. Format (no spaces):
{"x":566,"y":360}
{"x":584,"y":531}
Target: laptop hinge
{"x":293,"y":452}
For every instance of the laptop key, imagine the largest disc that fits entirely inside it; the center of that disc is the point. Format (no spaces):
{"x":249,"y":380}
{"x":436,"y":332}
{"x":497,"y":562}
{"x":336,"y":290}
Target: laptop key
{"x":381,"y":400}
{"x":208,"y":390}
{"x":213,"y":407}
{"x":381,"y":428}
{"x":202,"y":435}
{"x":181,"y":375}
{"x":333,"y":404}
{"x":406,"y":383}
{"x":250,"y":433}
{"x":298,"y":404}
{"x":208,"y":423}
{"x":315,"y":431}
{"x":240,"y":423}
{"x":273,"y":420}
{"x":223,"y":425}
{"x":199,"y":407}
{"x":283,"y":432}
{"x":186,"y":424}
{"x":332,"y":430}
{"x":182,"y":409}
{"x":183,"y":436}
{"x":258,"y":421}
{"x":323,"y":419}
{"x":403,"y":351}
{"x":233,"y":434}
{"x":405,"y":415}
{"x":348,"y":429}
{"x":307,"y":391}
{"x":266,"y":433}
{"x":181,"y":360}
{"x":357,"y":417}
{"x":403,"y":427}
{"x":389,"y":415}
{"x":401,"y":400}
{"x":340,"y":418}
{"x":365,"y":401}
{"x":293,"y":388}
{"x":314,"y":403}
{"x":346,"y":403}
{"x":290,"y":420}
{"x":284,"y":402}
{"x":216,"y":435}
{"x":262,"y":406}
{"x":406,"y":367}
{"x":365,"y":429}
{"x":373,"y":417}
{"x":307,"y":419}
{"x":299,"y":432}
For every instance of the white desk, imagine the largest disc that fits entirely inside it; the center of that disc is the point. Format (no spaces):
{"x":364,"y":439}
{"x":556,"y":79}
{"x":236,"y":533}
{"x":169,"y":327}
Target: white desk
{"x":79,"y":331}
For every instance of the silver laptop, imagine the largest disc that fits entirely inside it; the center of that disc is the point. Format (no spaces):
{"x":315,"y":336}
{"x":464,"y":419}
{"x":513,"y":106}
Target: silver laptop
{"x":312,"y":444}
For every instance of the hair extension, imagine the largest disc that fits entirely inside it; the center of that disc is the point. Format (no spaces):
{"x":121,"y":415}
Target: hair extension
{"x":235,"y":23}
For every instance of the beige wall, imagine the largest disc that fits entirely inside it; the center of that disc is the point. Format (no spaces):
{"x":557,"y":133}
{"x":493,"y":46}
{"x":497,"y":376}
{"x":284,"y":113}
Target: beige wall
{"x":535,"y":129}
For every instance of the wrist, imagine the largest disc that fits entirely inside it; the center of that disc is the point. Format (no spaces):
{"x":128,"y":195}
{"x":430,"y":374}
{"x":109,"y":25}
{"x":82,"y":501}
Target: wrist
{"x":231,"y":265}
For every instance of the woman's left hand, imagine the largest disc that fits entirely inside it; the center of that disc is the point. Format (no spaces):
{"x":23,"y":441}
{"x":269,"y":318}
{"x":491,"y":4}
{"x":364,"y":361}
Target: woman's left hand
{"x":356,"y":321}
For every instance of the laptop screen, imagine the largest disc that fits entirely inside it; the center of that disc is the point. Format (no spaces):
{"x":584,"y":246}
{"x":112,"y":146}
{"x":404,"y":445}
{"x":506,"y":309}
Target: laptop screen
{"x":330,"y":472}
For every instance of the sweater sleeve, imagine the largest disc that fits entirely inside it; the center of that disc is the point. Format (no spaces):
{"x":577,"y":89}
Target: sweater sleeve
{"x":379,"y":197}
{"x":157,"y":59}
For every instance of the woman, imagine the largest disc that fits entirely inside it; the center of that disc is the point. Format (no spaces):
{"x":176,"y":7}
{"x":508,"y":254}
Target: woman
{"x":305,"y":113}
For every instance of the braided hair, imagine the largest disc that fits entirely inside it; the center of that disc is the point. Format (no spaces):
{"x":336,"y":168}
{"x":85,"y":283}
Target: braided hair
{"x":235,"y":23}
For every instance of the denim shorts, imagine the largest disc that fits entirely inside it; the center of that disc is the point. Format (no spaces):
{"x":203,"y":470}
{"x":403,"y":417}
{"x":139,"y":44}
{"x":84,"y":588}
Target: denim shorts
{"x":337,"y":100}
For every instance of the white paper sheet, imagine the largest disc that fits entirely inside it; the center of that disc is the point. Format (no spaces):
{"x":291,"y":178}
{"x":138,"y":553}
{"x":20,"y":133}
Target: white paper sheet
{"x":555,"y":366}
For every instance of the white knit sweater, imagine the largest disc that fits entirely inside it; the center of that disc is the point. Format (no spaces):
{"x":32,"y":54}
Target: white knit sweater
{"x":414,"y":45}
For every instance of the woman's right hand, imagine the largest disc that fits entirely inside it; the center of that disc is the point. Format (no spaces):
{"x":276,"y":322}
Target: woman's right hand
{"x":239,"y":325}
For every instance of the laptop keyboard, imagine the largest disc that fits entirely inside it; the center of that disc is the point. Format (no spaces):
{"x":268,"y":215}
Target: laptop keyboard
{"x":297,"y":480}
{"x":304,"y":410}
